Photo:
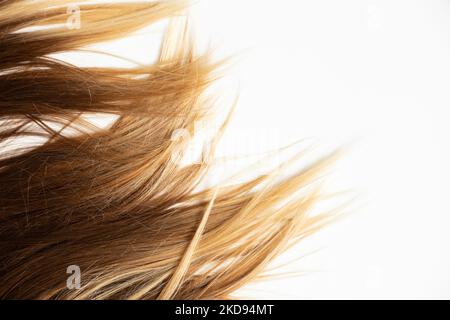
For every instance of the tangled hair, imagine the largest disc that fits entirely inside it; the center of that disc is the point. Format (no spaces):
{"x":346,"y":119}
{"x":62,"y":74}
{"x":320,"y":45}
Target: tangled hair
{"x":111,"y":200}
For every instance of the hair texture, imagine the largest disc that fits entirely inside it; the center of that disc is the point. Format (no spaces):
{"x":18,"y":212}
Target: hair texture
{"x":111,"y":200}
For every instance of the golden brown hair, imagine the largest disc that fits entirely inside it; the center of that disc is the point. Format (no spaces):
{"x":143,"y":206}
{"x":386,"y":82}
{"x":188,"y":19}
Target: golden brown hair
{"x":112,"y":200}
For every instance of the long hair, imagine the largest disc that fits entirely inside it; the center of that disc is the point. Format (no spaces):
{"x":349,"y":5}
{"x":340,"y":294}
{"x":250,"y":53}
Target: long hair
{"x":112,"y":200}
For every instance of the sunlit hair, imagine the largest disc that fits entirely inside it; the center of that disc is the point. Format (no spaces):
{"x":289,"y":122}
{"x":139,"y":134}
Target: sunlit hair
{"x":111,"y":200}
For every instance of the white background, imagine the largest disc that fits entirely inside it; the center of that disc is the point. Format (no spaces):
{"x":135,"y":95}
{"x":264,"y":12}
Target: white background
{"x":368,"y":72}
{"x":375,"y":73}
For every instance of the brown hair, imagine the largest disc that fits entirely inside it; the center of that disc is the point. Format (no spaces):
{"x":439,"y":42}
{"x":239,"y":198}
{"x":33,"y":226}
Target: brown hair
{"x":110,"y":200}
